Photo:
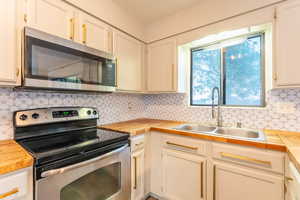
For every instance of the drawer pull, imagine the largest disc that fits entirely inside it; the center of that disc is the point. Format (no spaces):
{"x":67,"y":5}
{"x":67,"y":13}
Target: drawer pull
{"x":72,"y":28}
{"x":7,"y":194}
{"x":84,"y":33}
{"x":135,"y":173}
{"x":201,"y":180}
{"x":182,"y":146}
{"x":214,"y":182}
{"x":245,"y":158}
{"x":289,"y":179}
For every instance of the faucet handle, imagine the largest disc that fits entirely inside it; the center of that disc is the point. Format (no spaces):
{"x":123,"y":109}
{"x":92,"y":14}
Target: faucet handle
{"x":239,"y":124}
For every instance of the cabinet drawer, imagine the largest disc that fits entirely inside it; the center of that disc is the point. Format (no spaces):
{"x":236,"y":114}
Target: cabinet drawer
{"x":262,"y":159}
{"x":14,"y":185}
{"x":137,"y":142}
{"x":184,"y":144}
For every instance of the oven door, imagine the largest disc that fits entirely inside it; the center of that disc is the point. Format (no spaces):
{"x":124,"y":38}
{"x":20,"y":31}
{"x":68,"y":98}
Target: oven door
{"x":106,"y":177}
{"x":54,"y":63}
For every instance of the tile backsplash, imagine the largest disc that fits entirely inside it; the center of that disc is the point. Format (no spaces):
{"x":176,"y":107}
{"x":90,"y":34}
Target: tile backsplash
{"x":282,"y":110}
{"x":112,"y":107}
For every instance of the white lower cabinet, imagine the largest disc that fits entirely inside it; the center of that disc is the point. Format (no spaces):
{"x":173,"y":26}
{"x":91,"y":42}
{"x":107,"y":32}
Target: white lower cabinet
{"x":17,"y":185}
{"x":231,"y":182}
{"x":137,"y":163}
{"x":183,"y":168}
{"x":138,"y":168}
{"x":183,"y":175}
{"x":292,"y":181}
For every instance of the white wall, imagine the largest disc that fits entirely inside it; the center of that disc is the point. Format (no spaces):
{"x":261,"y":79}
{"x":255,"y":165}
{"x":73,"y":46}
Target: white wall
{"x":113,"y":14}
{"x":207,"y":11}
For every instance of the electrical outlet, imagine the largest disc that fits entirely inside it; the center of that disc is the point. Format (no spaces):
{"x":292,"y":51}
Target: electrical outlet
{"x":285,"y":107}
{"x":129,"y":106}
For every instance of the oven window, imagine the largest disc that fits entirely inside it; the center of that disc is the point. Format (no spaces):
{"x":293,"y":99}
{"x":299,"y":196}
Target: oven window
{"x":98,"y":185}
{"x":48,"y":61}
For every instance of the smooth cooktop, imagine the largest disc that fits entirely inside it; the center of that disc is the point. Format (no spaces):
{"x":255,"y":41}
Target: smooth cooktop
{"x":72,"y":142}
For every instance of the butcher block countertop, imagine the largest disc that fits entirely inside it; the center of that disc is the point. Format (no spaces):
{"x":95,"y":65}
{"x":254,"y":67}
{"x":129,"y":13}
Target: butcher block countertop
{"x":13,"y":157}
{"x":283,"y":141}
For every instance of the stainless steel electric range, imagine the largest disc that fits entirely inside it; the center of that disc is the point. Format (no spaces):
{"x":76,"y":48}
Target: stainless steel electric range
{"x":73,"y":159}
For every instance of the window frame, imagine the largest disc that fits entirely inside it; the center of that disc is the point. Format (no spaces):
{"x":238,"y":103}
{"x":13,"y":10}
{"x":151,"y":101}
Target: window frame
{"x":223,"y":74}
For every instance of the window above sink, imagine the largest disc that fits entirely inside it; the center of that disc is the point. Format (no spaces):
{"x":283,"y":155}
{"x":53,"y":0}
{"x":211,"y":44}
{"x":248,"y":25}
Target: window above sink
{"x":238,"y":62}
{"x":235,"y":66}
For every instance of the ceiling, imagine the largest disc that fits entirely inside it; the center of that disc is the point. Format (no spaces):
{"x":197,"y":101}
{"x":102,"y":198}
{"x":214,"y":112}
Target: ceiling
{"x":148,"y":11}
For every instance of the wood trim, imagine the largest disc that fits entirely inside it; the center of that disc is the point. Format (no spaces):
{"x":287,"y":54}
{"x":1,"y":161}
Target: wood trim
{"x":104,"y":21}
{"x":217,"y":21}
{"x":176,"y":34}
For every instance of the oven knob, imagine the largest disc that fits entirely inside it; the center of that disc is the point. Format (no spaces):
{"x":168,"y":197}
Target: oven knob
{"x":94,"y":112}
{"x":89,"y":112}
{"x":23,"y":117}
{"x":35,"y":115}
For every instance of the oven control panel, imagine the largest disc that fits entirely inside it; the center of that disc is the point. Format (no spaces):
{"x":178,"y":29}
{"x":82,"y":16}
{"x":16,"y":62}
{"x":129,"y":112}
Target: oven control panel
{"x":53,"y":115}
{"x":65,"y":113}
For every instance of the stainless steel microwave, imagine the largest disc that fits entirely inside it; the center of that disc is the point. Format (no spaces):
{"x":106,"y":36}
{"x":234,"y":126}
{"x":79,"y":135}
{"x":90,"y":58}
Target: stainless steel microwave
{"x":54,"y":63}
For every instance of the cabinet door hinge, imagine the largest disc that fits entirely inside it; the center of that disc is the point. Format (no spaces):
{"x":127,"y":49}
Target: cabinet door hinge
{"x":18,"y":72}
{"x":275,"y":77}
{"x":25,"y":18}
{"x":275,"y":13}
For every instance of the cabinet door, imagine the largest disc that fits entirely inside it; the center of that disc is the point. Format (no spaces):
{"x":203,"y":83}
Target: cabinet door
{"x":161,"y":71}
{"x":95,"y":33}
{"x":51,"y":16}
{"x":287,"y":45}
{"x":292,"y":182}
{"x":137,"y":175}
{"x":183,"y":176}
{"x":129,"y":53}
{"x":9,"y":49}
{"x":236,"y":183}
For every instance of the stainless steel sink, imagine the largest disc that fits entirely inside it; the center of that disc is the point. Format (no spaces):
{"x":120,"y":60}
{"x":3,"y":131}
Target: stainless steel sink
{"x":196,"y":128}
{"x":240,"y":133}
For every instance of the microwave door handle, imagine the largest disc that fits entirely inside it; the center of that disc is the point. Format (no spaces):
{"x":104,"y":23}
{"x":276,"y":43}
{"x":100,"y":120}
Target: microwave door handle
{"x":64,"y":169}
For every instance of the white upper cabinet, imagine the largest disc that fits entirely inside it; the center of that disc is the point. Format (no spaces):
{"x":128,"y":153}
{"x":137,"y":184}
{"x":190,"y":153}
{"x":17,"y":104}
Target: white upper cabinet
{"x":287,"y":41}
{"x":51,"y":16}
{"x":161,"y":70}
{"x":59,"y":18}
{"x":10,"y":48}
{"x":129,"y":53}
{"x":95,"y":33}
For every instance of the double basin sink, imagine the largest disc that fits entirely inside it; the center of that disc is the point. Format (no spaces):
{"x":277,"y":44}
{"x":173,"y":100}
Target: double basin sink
{"x":239,"y":133}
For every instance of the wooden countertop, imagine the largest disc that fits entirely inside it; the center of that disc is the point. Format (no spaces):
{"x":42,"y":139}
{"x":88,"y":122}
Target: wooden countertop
{"x":13,"y":157}
{"x":283,"y":141}
{"x":139,"y":126}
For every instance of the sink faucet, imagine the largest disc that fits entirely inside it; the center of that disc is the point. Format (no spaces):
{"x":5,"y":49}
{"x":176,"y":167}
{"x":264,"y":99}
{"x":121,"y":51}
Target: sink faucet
{"x":213,"y":115}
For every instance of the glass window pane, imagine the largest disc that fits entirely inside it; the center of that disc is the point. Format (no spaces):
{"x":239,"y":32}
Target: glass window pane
{"x":206,"y":75}
{"x":242,"y":64}
{"x":98,"y":185}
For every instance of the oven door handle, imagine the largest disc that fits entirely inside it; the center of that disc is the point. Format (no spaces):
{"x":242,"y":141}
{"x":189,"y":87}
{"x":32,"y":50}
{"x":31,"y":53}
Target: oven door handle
{"x":64,"y":169}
